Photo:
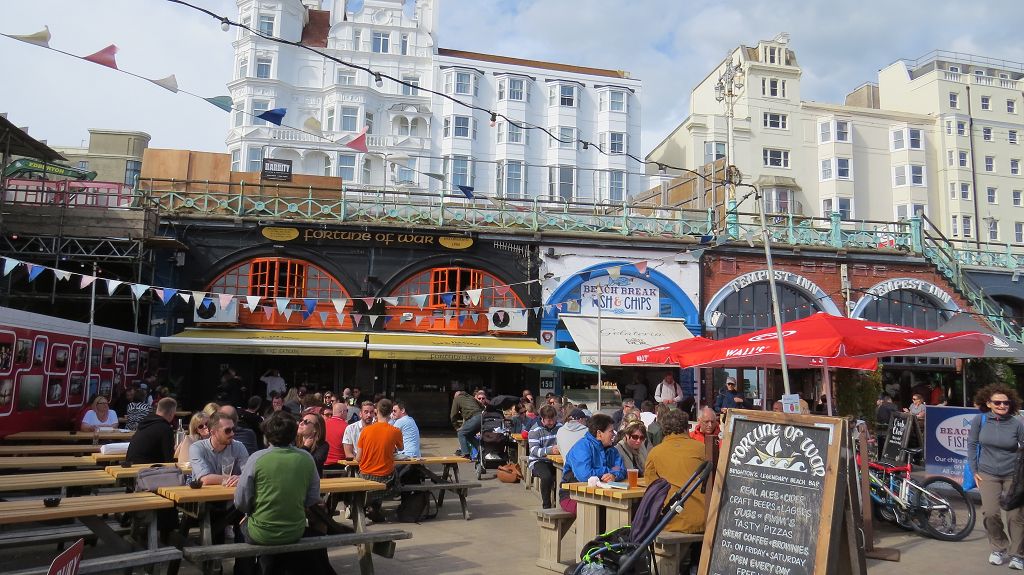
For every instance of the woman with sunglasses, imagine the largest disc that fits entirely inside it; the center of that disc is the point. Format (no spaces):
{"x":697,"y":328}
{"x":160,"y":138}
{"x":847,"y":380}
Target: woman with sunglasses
{"x":198,"y":428}
{"x":100,"y":415}
{"x":312,"y":437}
{"x":995,"y":437}
{"x":632,"y":445}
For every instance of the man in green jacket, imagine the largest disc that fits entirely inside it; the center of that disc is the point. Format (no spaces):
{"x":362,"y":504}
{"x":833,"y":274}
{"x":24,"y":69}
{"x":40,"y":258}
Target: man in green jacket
{"x":469,"y":407}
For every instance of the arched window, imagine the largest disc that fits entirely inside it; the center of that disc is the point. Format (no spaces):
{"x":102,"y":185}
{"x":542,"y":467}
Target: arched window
{"x":750,"y":309}
{"x":416,"y":127}
{"x":439,"y":282}
{"x":278,"y":277}
{"x":909,"y":308}
{"x":403,"y":126}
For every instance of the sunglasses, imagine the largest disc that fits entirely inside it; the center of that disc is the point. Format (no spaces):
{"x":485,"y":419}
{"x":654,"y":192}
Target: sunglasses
{"x":637,"y":437}
{"x":229,"y":430}
{"x":307,"y":422}
{"x":203,"y":426}
{"x":1004,"y":403}
{"x":102,"y":403}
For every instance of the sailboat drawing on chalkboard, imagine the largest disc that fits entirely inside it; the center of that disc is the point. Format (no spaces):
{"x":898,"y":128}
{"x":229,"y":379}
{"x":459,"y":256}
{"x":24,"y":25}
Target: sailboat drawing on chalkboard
{"x":772,"y":456}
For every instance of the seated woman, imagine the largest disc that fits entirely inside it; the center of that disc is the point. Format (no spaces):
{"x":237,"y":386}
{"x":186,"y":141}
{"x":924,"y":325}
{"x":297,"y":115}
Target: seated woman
{"x":137,"y":410}
{"x":592,"y":456}
{"x":633,"y":446}
{"x":674,"y":460}
{"x":312,"y":437}
{"x":100,"y":415}
{"x":198,"y":429}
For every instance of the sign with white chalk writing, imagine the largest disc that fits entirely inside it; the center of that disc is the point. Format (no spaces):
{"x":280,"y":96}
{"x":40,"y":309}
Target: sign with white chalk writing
{"x":896,"y":439}
{"x":777,"y":496}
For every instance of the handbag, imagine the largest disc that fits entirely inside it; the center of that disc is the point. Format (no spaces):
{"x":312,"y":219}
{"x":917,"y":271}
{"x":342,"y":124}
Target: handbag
{"x":509,"y":473}
{"x":153,"y":478}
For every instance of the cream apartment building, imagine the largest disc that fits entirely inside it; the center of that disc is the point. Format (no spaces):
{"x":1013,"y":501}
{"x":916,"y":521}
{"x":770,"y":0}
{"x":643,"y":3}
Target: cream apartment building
{"x":937,"y":136}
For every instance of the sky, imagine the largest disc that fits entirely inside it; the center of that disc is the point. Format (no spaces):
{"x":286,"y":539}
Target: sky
{"x":670,"y":45}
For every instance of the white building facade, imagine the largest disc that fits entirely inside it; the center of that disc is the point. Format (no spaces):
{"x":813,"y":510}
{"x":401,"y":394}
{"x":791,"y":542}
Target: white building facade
{"x":937,"y":136}
{"x":411,"y":132}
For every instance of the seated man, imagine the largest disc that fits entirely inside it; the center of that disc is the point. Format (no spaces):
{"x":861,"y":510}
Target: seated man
{"x":707,"y":424}
{"x":335,"y":432}
{"x":572,"y":431}
{"x":674,"y":460}
{"x":592,"y":456}
{"x":377,"y":445}
{"x":350,"y":441}
{"x":211,"y":457}
{"x":410,"y":431}
{"x":243,"y":435}
{"x":543,"y":441}
{"x":276,"y":486}
{"x":154,"y":440}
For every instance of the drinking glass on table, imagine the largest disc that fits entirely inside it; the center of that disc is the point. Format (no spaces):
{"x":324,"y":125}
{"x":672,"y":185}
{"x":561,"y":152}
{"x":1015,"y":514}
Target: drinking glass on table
{"x":225,"y":472}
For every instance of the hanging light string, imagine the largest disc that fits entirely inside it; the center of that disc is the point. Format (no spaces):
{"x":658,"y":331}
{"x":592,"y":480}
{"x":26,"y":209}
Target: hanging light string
{"x":492,"y":114}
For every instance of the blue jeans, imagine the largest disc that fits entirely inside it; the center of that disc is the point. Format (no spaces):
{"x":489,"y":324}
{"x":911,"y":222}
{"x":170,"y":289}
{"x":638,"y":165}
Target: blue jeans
{"x":467,"y":434}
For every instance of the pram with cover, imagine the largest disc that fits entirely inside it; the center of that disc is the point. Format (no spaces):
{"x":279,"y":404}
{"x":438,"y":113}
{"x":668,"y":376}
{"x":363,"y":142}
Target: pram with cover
{"x":496,"y":442}
{"x":626,"y":551}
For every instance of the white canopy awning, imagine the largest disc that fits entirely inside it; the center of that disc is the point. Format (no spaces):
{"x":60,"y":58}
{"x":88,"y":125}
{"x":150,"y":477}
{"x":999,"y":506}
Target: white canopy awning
{"x":619,"y":335}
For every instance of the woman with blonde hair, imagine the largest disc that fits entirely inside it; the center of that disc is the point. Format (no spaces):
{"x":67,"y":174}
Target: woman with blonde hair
{"x":198,"y":428}
{"x":211,"y":408}
{"x":312,"y":436}
{"x":292,"y":402}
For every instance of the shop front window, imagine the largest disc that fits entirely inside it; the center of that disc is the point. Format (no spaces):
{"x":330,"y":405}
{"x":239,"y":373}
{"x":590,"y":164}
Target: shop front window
{"x":908,"y":308}
{"x":278,"y":277}
{"x":446,"y":288}
{"x":750,"y":309}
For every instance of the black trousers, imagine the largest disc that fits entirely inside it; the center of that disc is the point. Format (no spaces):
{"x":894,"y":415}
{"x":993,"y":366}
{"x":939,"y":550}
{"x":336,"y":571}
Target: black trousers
{"x":545,"y":471}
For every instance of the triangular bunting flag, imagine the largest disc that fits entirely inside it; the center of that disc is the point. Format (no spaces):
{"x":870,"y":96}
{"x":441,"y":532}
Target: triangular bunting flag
{"x":401,"y":319}
{"x":387,"y":318}
{"x":341,"y":318}
{"x":251,"y":301}
{"x":310,"y":305}
{"x":447,"y":298}
{"x":585,"y":276}
{"x":86,"y":281}
{"x":613,"y":272}
{"x":436,"y":176}
{"x":368,"y":301}
{"x":169,"y":83}
{"x":474,"y":296}
{"x":40,"y":38}
{"x":358,"y":143}
{"x":356,"y":318}
{"x":420,"y":299}
{"x":306,"y":313}
{"x":537,"y":311}
{"x":287,"y":313}
{"x":167,"y":294}
{"x":198,"y":297}
{"x":501,"y":290}
{"x":312,"y":125}
{"x":466,"y":191}
{"x":62,"y":275}
{"x":139,"y":290}
{"x":448,"y":316}
{"x":373,"y":320}
{"x":641,"y":267}
{"x":185,"y":296}
{"x":323,"y":316}
{"x":274,"y":116}
{"x":225,"y":300}
{"x":339,"y":305}
{"x":112,"y":286}
{"x":34,"y":271}
{"x":104,"y":57}
{"x":222,"y":102}
{"x":10,"y":263}
{"x":390,"y":300}
{"x":268,"y":312}
{"x":462,"y":319}
{"x":524,"y":311}
{"x":282,"y":303}
{"x":475,"y":317}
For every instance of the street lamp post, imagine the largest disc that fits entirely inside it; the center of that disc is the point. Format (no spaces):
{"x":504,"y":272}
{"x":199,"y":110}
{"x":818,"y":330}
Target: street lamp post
{"x":727,"y":89}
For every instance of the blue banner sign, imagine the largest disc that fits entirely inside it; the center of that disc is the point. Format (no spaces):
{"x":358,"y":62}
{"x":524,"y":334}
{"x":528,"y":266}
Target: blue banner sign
{"x":945,"y":448}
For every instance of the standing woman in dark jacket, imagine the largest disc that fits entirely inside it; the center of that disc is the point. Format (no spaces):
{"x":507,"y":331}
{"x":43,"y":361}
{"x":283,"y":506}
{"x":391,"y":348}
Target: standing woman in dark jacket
{"x":999,"y":435}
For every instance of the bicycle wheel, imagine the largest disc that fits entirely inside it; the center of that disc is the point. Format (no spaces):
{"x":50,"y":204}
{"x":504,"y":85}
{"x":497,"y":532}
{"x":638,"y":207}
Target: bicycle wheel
{"x":943,"y":510}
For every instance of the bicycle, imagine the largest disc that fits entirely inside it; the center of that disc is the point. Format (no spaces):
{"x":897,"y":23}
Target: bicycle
{"x":938,"y":507}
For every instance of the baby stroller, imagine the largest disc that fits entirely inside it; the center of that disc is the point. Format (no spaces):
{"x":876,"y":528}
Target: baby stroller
{"x":496,"y":443}
{"x":626,"y":551}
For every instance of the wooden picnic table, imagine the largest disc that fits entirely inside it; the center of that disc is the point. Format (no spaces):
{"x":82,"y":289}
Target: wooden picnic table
{"x":599,"y":510}
{"x":127,"y":475}
{"x":46,"y":462}
{"x":56,"y":480}
{"x":50,"y":449}
{"x":108,"y":458}
{"x":70,"y":436}
{"x":89,"y":511}
{"x":449,"y":473}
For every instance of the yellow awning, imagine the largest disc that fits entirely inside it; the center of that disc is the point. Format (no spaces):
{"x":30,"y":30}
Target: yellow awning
{"x":458,"y":348}
{"x":266,"y":342}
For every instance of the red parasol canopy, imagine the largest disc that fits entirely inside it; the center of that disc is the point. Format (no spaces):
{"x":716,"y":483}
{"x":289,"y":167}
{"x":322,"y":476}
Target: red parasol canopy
{"x":664,"y":354}
{"x":824,"y":340}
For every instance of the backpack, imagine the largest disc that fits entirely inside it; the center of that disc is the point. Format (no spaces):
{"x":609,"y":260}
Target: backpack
{"x":416,"y":507}
{"x":153,"y":478}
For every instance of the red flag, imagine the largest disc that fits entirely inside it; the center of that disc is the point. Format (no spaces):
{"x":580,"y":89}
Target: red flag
{"x":641,"y":267}
{"x":104,"y":57}
{"x":358,"y":143}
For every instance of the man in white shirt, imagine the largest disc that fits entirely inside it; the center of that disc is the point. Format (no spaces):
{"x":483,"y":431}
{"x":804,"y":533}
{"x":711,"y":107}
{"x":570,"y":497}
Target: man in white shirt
{"x":350,"y":441}
{"x":668,"y":391}
{"x":272,"y":378}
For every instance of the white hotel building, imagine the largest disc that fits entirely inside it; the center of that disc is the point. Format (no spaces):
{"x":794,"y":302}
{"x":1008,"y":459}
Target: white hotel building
{"x":942,"y":135}
{"x":411,"y":132}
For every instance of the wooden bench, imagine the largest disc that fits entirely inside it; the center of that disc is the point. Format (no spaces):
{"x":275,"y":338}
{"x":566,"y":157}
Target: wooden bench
{"x":165,"y":559}
{"x":382,"y":542}
{"x":554,"y":523}
{"x":670,"y":549}
{"x":460,"y":488}
{"x":55,"y":535}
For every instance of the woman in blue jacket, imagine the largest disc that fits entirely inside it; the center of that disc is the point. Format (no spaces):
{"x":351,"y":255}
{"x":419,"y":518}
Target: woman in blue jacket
{"x":592,"y":456}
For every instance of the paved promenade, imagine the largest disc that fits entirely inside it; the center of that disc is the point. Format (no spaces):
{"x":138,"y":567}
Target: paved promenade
{"x":502,"y":537}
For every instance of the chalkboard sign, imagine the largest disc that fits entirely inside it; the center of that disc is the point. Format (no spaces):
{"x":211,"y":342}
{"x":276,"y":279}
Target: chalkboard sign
{"x":778,"y":496}
{"x":900,"y":427}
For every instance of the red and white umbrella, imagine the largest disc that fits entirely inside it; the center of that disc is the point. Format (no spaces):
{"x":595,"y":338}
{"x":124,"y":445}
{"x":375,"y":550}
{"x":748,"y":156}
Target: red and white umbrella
{"x":663,"y":354}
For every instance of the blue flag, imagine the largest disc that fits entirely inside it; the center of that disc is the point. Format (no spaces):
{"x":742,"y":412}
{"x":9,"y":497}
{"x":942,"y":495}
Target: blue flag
{"x":273,"y":116}
{"x":467,"y":191}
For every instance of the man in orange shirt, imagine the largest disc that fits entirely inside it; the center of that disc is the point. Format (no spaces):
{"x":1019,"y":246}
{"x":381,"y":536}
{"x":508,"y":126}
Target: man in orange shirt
{"x":707,"y":424}
{"x":376,"y":458}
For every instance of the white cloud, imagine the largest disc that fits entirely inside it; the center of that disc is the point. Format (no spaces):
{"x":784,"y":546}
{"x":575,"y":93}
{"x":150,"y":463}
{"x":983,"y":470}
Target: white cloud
{"x":670,"y":46}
